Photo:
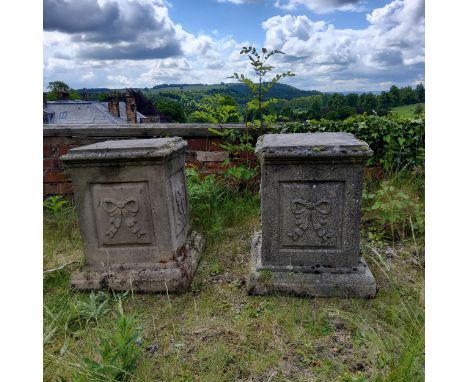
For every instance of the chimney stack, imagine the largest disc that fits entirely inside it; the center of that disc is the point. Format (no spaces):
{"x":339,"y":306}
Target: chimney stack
{"x":130,"y":108}
{"x":85,"y":95}
{"x":113,"y":104}
{"x":63,"y":94}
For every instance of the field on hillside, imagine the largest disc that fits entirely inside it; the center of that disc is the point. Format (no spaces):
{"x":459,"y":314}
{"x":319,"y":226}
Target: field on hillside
{"x":216,"y":332}
{"x":408,"y":110}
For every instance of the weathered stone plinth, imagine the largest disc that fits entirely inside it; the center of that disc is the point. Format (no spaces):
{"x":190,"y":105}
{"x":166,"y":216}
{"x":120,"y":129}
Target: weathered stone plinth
{"x":133,"y":213}
{"x":311,"y":193}
{"x":173,"y":276}
{"x":327,"y":282}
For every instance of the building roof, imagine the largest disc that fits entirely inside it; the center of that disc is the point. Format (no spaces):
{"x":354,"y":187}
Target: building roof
{"x":85,"y":112}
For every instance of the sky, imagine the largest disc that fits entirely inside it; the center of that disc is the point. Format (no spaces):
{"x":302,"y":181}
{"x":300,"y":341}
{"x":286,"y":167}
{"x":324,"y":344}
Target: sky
{"x":331,"y":45}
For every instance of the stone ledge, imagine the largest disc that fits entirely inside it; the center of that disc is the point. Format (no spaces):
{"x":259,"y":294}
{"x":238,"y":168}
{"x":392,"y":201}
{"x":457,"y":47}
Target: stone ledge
{"x":153,"y":278}
{"x":141,"y":130}
{"x":359,"y":283}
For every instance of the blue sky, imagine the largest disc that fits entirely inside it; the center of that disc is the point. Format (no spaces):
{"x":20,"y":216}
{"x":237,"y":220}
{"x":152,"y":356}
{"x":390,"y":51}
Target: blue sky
{"x":331,"y":45}
{"x":244,"y":22}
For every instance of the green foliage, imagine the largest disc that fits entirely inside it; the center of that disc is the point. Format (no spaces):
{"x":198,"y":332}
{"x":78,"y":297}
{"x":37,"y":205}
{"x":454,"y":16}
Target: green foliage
{"x":419,"y":109}
{"x":170,"y":109}
{"x":397,"y":142}
{"x":59,"y":213}
{"x":235,"y":141}
{"x":240,"y":177}
{"x":95,"y":306}
{"x":217,"y":108}
{"x":57,"y":86}
{"x":420,"y":92}
{"x":393,"y":211}
{"x":204,"y":192}
{"x":119,"y":354}
{"x":55,"y":205}
{"x":258,"y":62}
{"x":408,"y":111}
{"x":219,"y":201}
{"x":216,"y":333}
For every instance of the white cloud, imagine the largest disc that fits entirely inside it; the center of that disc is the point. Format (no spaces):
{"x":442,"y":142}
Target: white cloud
{"x":87,"y":76}
{"x":119,"y":81}
{"x":239,"y":1}
{"x":392,"y":46}
{"x":390,"y":49}
{"x":323,"y":6}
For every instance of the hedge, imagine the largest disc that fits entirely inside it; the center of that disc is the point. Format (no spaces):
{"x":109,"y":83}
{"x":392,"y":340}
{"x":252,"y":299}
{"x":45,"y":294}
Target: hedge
{"x":398,"y":142}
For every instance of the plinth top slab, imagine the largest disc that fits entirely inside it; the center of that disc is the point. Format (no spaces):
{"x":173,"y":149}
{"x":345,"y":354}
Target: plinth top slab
{"x":312,"y":145}
{"x":125,"y":150}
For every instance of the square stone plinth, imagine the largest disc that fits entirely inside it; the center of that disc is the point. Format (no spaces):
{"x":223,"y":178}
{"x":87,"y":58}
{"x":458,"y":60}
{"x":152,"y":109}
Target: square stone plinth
{"x":310,"y":203}
{"x":133,"y":213}
{"x":355,"y":282}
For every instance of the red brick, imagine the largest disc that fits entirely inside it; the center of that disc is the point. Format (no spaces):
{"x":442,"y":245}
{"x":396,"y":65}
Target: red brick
{"x":51,"y":188}
{"x":47,"y":151}
{"x":212,"y":166}
{"x":198,"y":144}
{"x":55,"y":177}
{"x":215,"y":145}
{"x":48,"y":164}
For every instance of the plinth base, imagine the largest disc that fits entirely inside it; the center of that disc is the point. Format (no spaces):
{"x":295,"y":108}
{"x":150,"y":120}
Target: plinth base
{"x":172,"y":276}
{"x":357,"y":282}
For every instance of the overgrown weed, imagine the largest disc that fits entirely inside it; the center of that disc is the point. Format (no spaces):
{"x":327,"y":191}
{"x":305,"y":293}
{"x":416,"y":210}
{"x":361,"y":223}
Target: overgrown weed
{"x":393,"y":208}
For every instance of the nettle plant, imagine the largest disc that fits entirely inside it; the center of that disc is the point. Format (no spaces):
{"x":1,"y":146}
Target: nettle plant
{"x":261,"y":85}
{"x":392,"y":209}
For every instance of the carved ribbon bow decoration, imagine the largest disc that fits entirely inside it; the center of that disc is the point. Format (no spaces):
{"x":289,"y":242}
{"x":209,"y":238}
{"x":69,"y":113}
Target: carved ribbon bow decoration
{"x":118,"y":210}
{"x":309,"y":212}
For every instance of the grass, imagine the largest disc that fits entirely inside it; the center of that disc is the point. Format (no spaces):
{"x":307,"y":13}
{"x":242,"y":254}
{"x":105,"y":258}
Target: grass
{"x":407,"y":110}
{"x":216,"y":332}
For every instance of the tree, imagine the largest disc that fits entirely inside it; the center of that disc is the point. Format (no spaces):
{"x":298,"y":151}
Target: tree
{"x":337,"y":107}
{"x":143,"y":104}
{"x":217,"y":108}
{"x":385,"y":100}
{"x":420,"y":92}
{"x":368,"y":102}
{"x":408,"y":96}
{"x":170,"y":110}
{"x":337,"y":101}
{"x":395,"y":93}
{"x":315,"y":109}
{"x":55,"y":86}
{"x":352,"y":99}
{"x":261,"y":69}
{"x":60,"y":86}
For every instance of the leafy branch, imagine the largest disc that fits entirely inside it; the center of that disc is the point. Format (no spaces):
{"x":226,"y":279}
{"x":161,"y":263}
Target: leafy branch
{"x":258,"y":61}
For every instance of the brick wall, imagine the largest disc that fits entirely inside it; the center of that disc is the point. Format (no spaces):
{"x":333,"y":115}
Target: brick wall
{"x":203,"y":152}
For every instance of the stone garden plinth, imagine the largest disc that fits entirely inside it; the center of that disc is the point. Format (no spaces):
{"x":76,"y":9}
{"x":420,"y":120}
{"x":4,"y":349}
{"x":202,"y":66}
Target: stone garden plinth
{"x":133,"y":213}
{"x":310,"y":206}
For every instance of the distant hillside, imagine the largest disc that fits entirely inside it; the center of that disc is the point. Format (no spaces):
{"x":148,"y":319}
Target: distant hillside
{"x":238,"y":91}
{"x":242,"y":91}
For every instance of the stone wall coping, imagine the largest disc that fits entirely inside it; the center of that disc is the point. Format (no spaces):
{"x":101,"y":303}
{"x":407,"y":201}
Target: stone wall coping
{"x":125,"y":150}
{"x":316,"y":146}
{"x":142,"y":130}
